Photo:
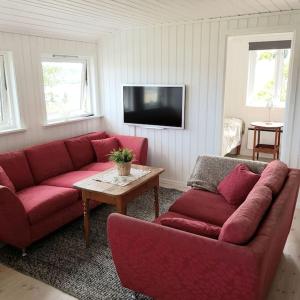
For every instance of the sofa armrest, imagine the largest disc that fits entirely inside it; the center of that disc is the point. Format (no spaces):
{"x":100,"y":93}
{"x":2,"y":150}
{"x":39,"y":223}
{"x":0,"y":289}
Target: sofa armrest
{"x":139,"y":145}
{"x":14,"y":225}
{"x":166,"y":263}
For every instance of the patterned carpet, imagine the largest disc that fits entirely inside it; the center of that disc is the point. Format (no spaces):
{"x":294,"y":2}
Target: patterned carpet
{"x":62,"y":261}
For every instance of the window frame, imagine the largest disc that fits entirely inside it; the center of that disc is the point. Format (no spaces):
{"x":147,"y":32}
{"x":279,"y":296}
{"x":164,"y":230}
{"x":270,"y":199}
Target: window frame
{"x":278,"y":79}
{"x":8,"y":89}
{"x":87,"y":79}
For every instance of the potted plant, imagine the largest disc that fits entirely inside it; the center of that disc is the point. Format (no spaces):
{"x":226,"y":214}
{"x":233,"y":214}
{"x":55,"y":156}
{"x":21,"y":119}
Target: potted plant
{"x":122,"y":158}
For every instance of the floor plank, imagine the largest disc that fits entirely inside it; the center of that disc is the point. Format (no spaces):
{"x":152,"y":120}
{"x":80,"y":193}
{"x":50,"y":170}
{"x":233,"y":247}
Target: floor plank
{"x":286,"y":284}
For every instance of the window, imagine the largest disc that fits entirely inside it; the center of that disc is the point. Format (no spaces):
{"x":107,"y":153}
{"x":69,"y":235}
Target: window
{"x":66,"y":88}
{"x":9,"y":115}
{"x":268,"y":77}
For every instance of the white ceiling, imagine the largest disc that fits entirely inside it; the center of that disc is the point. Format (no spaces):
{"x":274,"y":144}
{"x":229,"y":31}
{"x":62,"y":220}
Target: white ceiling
{"x":90,"y":19}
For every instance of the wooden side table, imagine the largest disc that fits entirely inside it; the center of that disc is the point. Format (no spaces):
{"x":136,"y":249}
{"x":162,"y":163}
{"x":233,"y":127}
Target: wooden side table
{"x":258,"y":147}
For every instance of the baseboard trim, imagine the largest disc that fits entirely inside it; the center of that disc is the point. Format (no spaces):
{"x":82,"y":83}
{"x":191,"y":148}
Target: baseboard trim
{"x":173,"y":184}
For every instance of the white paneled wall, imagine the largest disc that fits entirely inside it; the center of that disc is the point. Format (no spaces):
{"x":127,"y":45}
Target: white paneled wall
{"x":192,"y":54}
{"x":26,"y":52}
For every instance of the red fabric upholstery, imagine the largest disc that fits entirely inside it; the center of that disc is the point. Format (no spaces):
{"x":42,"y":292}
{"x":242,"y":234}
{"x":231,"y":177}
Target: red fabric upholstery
{"x":99,"y":167}
{"x":81,"y":150}
{"x":17,"y":169}
{"x":41,"y":201}
{"x":236,"y":186}
{"x":103,"y":148}
{"x":14,"y":225}
{"x":242,"y":224}
{"x":205,"y":206}
{"x":274,"y":175}
{"x":58,"y":219}
{"x":139,"y":145}
{"x":195,"y":267}
{"x":5,"y":181}
{"x":192,"y":226}
{"x":99,"y":135}
{"x":272,"y":234}
{"x":48,"y":160}
{"x":170,"y":214}
{"x":67,"y":180}
{"x":166,"y":263}
{"x":36,"y":210}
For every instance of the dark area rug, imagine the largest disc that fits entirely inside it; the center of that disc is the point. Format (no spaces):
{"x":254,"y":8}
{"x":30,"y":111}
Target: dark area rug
{"x":62,"y":261}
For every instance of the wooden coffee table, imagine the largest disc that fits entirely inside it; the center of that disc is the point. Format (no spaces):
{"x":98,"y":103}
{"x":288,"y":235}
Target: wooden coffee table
{"x":117,"y":195}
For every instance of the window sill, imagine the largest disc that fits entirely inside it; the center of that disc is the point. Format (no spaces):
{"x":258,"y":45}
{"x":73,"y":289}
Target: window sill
{"x":58,"y":123}
{"x":11,"y":131}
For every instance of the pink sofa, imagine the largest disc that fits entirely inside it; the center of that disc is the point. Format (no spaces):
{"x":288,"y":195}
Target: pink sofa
{"x":168,"y":263}
{"x":43,"y":177}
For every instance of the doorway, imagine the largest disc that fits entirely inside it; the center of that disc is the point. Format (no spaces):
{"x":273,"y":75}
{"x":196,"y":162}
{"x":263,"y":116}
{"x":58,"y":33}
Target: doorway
{"x":256,"y":90}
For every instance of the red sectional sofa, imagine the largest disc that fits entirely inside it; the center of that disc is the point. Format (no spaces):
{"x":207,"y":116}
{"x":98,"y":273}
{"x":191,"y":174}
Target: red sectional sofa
{"x":240,"y":263}
{"x":43,"y":198}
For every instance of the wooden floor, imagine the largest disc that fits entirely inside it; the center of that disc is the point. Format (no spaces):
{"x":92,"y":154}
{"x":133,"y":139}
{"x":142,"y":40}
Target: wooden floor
{"x":286,"y":285}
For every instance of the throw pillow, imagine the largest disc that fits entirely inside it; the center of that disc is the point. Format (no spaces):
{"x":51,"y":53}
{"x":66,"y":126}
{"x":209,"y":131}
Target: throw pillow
{"x":4,"y":180}
{"x":209,"y":171}
{"x":236,"y":186}
{"x":192,"y":226}
{"x":103,"y":147}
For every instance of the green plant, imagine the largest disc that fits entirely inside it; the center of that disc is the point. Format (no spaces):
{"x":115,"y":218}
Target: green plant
{"x":121,"y":155}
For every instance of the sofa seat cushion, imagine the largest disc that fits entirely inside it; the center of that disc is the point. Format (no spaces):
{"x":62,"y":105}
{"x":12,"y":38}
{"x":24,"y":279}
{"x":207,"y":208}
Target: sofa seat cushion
{"x":104,"y":147}
{"x":99,"y":167}
{"x":242,"y":224}
{"x":67,"y":180}
{"x":236,"y":186}
{"x":81,"y":150}
{"x":192,"y":226}
{"x":41,"y":201}
{"x":17,"y":169}
{"x":274,"y":176}
{"x":205,"y":206}
{"x":48,"y":160}
{"x":5,"y":181}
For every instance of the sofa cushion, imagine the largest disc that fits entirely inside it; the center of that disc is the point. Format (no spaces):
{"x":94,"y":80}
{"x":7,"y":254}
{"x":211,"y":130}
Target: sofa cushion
{"x":192,"y":226}
{"x":98,"y":166}
{"x":80,"y":150}
{"x":68,"y":179}
{"x":103,"y":148}
{"x":48,"y":160}
{"x":17,"y":169}
{"x":5,"y":181}
{"x":41,"y":201}
{"x":98,"y":135}
{"x":274,"y":176}
{"x":242,"y":224}
{"x":236,"y":186}
{"x":205,"y":206}
{"x":209,"y":171}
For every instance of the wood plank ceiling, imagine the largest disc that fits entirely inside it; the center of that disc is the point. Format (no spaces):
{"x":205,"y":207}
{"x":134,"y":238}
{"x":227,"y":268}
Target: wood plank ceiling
{"x":90,"y":19}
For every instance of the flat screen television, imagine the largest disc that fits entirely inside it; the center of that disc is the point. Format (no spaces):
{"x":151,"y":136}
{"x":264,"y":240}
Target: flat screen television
{"x":154,"y":105}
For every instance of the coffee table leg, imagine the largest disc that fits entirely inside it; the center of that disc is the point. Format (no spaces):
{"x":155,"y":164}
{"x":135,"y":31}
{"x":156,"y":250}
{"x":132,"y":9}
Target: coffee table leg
{"x":121,"y":206}
{"x":156,"y":201}
{"x":86,"y":224}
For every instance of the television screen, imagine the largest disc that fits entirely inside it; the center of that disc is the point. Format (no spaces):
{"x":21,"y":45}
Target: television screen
{"x":161,"y":106}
